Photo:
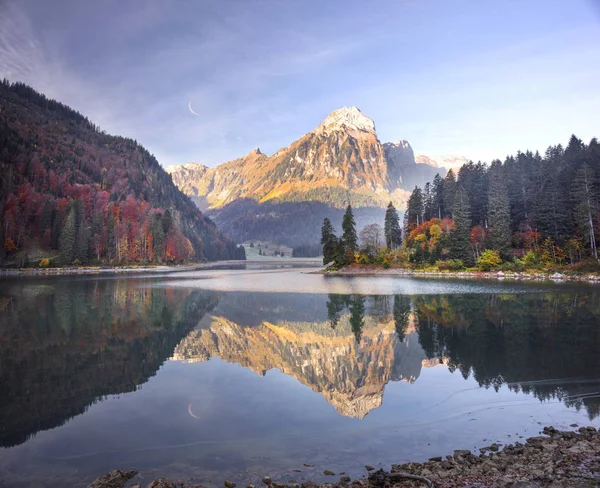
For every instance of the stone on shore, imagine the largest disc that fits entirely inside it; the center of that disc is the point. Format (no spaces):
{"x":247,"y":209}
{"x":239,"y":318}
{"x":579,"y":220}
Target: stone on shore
{"x":113,"y":479}
{"x":162,"y":483}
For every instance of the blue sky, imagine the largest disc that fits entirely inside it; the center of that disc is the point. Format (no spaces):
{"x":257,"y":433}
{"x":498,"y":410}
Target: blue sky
{"x":476,"y":78}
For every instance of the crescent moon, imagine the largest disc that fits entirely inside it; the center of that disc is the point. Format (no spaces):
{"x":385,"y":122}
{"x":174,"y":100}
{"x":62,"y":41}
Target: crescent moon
{"x":192,"y":413}
{"x":191,"y":109}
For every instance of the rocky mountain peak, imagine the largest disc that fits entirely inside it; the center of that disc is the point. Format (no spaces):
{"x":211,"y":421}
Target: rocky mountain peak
{"x":399,"y":154}
{"x":346,"y":118}
{"x":401,"y":144}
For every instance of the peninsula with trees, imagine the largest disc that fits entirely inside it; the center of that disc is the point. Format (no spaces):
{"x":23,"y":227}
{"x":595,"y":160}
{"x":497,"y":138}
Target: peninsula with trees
{"x":528,"y":214}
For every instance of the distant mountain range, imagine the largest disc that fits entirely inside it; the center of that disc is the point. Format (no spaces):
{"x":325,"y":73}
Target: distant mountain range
{"x":448,"y":161}
{"x":340,"y":162}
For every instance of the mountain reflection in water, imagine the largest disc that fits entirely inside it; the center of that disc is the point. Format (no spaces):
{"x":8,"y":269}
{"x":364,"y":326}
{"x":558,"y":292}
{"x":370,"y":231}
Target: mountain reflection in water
{"x":66,"y":344}
{"x":542,"y":344}
{"x":347,"y":359}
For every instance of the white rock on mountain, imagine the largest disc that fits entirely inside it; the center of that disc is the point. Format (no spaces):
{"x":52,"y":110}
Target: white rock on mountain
{"x":349,"y":118}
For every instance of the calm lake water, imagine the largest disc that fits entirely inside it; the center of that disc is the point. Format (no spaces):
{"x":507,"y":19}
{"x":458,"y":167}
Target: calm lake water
{"x":239,"y":373}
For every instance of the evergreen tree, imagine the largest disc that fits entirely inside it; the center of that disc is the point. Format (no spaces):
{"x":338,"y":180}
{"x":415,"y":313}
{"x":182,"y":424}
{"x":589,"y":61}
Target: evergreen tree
{"x":449,"y":193}
{"x":66,"y":244}
{"x":340,"y":253}
{"x":357,"y":315}
{"x":167,"y":222}
{"x":401,"y":315}
{"x":57,"y":223}
{"x":429,"y":211}
{"x":460,"y":242}
{"x":474,"y":179}
{"x":349,"y":237}
{"x":392,"y":231}
{"x":414,"y":210}
{"x":438,"y":196}
{"x":552,"y":211}
{"x":82,"y":234}
{"x":329,"y":242}
{"x":335,"y":306}
{"x":158,"y":236}
{"x":522,"y":175}
{"x":585,"y":201}
{"x":499,"y":210}
{"x":573,"y":159}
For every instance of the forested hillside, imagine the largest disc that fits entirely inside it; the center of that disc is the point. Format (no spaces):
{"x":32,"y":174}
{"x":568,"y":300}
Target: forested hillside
{"x":72,"y":194}
{"x":530,"y":210}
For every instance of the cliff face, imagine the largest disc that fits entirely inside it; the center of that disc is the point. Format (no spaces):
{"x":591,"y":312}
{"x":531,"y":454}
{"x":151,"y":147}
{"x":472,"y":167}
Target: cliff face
{"x":403,"y":167}
{"x":350,"y":375}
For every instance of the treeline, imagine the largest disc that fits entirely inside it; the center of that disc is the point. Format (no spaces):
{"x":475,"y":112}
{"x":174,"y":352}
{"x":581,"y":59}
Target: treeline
{"x":539,"y":210}
{"x":71,"y":194}
{"x":528,"y":212}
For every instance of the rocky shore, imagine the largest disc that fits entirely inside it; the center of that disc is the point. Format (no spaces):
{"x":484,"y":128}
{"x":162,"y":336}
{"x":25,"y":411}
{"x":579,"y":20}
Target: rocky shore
{"x":369,"y":270}
{"x":557,"y":459}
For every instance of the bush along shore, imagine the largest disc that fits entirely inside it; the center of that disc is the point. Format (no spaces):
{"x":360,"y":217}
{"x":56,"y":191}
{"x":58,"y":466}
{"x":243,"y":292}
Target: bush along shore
{"x":373,"y":270}
{"x":555,"y":459}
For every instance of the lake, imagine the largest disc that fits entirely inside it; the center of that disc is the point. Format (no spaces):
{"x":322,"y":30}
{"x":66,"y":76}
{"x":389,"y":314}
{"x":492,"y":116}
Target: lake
{"x":240,"y":373}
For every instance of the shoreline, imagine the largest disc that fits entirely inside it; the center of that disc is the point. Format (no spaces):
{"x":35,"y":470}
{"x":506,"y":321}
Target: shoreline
{"x":554,"y":459}
{"x":369,"y":270}
{"x":98,"y":270}
{"x":162,"y":269}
